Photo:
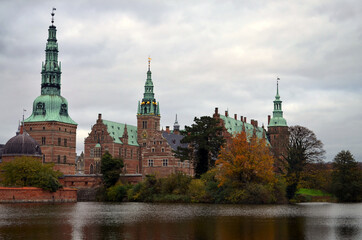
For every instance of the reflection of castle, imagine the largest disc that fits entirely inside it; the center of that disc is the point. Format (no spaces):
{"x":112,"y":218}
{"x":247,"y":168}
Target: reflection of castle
{"x":144,"y":148}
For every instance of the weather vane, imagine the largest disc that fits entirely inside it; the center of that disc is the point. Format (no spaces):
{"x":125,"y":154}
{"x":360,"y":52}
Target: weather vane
{"x":149,"y":62}
{"x":53,"y":15}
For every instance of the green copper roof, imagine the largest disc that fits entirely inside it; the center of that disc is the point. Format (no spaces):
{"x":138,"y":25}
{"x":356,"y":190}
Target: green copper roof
{"x":236,"y":126}
{"x":149,"y":105}
{"x":50,"y":105}
{"x":116,"y":131}
{"x":277,"y":120}
{"x":50,"y":108}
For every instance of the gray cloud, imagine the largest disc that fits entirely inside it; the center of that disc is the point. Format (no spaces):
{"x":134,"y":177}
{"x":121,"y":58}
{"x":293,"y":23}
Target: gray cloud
{"x":205,"y":54}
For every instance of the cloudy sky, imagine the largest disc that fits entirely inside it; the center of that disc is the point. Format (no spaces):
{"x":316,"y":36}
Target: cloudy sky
{"x":205,"y":54}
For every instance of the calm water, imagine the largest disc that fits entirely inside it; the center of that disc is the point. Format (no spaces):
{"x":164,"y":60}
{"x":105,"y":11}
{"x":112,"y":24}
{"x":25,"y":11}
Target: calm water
{"x":180,"y":221}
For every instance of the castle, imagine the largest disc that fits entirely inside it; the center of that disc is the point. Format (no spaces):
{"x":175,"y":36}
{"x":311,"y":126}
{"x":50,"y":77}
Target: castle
{"x":145,"y":148}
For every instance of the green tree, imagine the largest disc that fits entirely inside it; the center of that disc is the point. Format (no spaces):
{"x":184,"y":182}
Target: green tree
{"x":303,"y":148}
{"x":111,"y":168}
{"x":204,"y":140}
{"x":30,"y":172}
{"x":346,"y":178}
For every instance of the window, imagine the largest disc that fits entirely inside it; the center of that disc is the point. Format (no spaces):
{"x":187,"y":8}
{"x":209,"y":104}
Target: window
{"x":91,"y":152}
{"x":91,"y":169}
{"x":144,"y":124}
{"x":164,"y":162}
{"x":65,"y":142}
{"x":58,"y":158}
{"x":43,"y":140}
{"x":144,"y":144}
{"x":162,"y":150}
{"x":64,"y":159}
{"x":153,"y":149}
{"x":154,"y":142}
{"x":150,"y":162}
{"x":59,"y":141}
{"x":31,"y":129}
{"x":179,"y":164}
{"x":120,"y":152}
{"x":43,"y":128}
{"x":156,"y":125}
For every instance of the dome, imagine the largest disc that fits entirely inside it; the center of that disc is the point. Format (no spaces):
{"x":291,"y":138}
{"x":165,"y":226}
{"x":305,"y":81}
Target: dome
{"x":22,"y":144}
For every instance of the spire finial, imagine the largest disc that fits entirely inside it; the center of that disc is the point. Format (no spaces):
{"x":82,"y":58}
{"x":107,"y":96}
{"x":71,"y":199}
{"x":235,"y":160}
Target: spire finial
{"x":278,"y":79}
{"x":149,"y":63}
{"x":53,"y":15}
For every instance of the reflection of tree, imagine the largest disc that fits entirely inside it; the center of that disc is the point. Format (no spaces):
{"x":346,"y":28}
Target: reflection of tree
{"x":347,"y":231}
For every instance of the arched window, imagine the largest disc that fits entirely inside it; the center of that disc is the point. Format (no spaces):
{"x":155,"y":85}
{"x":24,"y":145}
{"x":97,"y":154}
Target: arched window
{"x":91,"y":169}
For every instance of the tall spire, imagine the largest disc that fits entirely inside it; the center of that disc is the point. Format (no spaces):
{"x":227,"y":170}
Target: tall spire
{"x":148,"y":106}
{"x":176,"y":126}
{"x":277,"y":119}
{"x":50,"y":105}
{"x":51,"y":70}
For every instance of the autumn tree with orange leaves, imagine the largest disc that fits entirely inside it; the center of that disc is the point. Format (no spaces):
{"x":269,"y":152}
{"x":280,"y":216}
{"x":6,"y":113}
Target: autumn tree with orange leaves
{"x":244,"y":162}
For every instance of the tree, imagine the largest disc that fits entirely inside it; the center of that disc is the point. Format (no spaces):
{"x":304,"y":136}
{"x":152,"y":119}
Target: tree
{"x":111,"y":168}
{"x":303,"y":148}
{"x":30,"y":172}
{"x":346,"y":178}
{"x":204,"y":140}
{"x":246,"y":162}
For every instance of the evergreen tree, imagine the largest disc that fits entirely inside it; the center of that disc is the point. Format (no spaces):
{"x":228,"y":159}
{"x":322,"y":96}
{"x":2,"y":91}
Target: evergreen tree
{"x":111,"y":168}
{"x":204,"y":139}
{"x":346,"y":178}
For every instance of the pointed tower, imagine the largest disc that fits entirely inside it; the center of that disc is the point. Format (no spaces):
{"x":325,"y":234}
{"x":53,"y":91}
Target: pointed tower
{"x":50,"y":123}
{"x":176,"y":126}
{"x":148,"y":115}
{"x":278,"y":128}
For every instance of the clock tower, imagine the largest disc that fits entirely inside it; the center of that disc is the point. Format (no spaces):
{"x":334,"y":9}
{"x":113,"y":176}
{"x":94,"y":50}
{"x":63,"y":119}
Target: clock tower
{"x":148,"y":114}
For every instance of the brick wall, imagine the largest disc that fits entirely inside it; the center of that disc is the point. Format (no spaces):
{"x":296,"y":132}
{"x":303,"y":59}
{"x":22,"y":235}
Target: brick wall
{"x":32,"y":194}
{"x":81,"y":181}
{"x":57,"y":142}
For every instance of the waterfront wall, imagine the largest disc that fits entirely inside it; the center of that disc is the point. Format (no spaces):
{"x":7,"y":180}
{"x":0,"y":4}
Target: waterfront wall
{"x":32,"y":194}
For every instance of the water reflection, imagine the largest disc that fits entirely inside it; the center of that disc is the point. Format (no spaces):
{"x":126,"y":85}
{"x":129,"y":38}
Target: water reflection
{"x":180,"y":221}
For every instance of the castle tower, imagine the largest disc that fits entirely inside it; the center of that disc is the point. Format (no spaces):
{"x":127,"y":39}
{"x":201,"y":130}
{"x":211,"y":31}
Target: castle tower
{"x":148,"y":114}
{"x":50,"y":124}
{"x":278,"y":128}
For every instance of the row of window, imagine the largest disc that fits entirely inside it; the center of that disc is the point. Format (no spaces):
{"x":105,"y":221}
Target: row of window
{"x":65,"y":142}
{"x":144,"y":125}
{"x":31,"y":129}
{"x":164,"y":162}
{"x":154,"y":150}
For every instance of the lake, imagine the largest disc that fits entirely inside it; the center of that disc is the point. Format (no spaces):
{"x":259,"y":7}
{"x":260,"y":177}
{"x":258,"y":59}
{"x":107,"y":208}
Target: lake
{"x":92,"y":220}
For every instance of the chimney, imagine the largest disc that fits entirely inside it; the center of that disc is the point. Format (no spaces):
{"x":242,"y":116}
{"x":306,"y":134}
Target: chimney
{"x":244,"y":119}
{"x":268,"y":119}
{"x":168,"y":129}
{"x":216,"y":114}
{"x":235,"y":116}
{"x":256,"y":123}
{"x":241,"y":118}
{"x":99,"y":115}
{"x":226,"y":114}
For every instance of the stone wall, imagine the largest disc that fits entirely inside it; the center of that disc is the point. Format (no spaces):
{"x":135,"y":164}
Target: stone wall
{"x":32,"y":194}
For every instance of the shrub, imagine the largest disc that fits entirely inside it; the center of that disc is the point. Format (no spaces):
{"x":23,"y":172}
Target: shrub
{"x":117,"y":193}
{"x":197,"y":191}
